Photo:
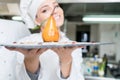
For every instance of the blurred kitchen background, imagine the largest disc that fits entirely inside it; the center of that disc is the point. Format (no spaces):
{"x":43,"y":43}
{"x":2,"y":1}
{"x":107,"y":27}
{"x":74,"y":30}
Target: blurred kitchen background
{"x":79,"y":28}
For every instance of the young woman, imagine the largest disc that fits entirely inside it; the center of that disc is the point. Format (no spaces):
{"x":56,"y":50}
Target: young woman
{"x":47,"y":64}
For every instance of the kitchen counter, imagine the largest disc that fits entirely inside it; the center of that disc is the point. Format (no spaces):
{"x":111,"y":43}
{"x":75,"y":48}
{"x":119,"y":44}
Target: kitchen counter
{"x":89,"y":76}
{"x":99,"y":78}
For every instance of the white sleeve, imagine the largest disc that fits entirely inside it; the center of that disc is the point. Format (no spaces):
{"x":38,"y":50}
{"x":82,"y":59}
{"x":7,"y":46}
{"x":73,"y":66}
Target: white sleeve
{"x":21,"y":73}
{"x":76,"y":69}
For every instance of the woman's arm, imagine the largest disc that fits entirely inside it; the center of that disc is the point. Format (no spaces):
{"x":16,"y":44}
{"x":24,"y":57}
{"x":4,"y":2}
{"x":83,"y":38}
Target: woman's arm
{"x":65,"y":66}
{"x":34,"y":76}
{"x":32,"y":65}
{"x":65,"y":58}
{"x":31,"y":58}
{"x":70,"y":63}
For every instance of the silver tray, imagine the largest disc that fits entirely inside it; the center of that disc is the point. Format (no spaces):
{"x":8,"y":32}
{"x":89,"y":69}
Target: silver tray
{"x":52,"y":44}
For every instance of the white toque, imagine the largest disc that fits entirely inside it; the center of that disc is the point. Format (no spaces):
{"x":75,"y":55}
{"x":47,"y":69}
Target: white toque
{"x":28,"y":10}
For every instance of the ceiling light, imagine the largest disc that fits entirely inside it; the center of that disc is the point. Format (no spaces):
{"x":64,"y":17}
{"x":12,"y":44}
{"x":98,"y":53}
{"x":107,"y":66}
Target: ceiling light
{"x":101,"y":18}
{"x":16,"y":18}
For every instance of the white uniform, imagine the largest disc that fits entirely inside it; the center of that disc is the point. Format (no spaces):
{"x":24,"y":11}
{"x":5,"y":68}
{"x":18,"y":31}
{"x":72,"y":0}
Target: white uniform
{"x":7,"y":64}
{"x":11,"y":62}
{"x":10,"y":31}
{"x":50,"y":69}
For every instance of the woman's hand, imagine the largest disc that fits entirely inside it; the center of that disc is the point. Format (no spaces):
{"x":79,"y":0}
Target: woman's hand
{"x":31,"y":57}
{"x":64,"y":53}
{"x":29,"y":53}
{"x":65,"y":57}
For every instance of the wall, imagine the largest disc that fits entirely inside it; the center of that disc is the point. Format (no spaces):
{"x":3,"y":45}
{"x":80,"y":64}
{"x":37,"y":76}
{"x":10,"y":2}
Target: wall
{"x":94,"y":35}
{"x":117,"y":40}
{"x":101,"y":33}
{"x":71,"y":30}
{"x":107,"y":33}
{"x":94,"y":32}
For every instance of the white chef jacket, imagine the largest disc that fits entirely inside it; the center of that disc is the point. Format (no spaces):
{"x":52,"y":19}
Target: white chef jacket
{"x":10,"y":31}
{"x":50,"y":67}
{"x":7,"y":64}
{"x":12,"y":63}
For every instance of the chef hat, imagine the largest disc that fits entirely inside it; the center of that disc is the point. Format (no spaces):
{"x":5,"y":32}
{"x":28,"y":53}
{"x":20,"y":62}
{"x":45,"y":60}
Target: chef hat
{"x":28,"y":10}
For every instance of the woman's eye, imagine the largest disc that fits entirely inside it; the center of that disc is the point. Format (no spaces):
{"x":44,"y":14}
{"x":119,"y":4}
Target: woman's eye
{"x":44,"y":11}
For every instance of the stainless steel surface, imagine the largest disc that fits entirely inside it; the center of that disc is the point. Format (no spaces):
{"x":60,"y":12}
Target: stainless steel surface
{"x":88,"y":1}
{"x":75,"y":11}
{"x":98,"y":78}
{"x":66,"y":1}
{"x":10,"y":7}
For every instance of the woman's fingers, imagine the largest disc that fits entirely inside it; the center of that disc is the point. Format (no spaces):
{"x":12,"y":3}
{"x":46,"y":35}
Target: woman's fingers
{"x":40,"y":51}
{"x":10,"y":48}
{"x":58,"y":49}
{"x":28,"y":51}
{"x":16,"y":49}
{"x":65,"y":50}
